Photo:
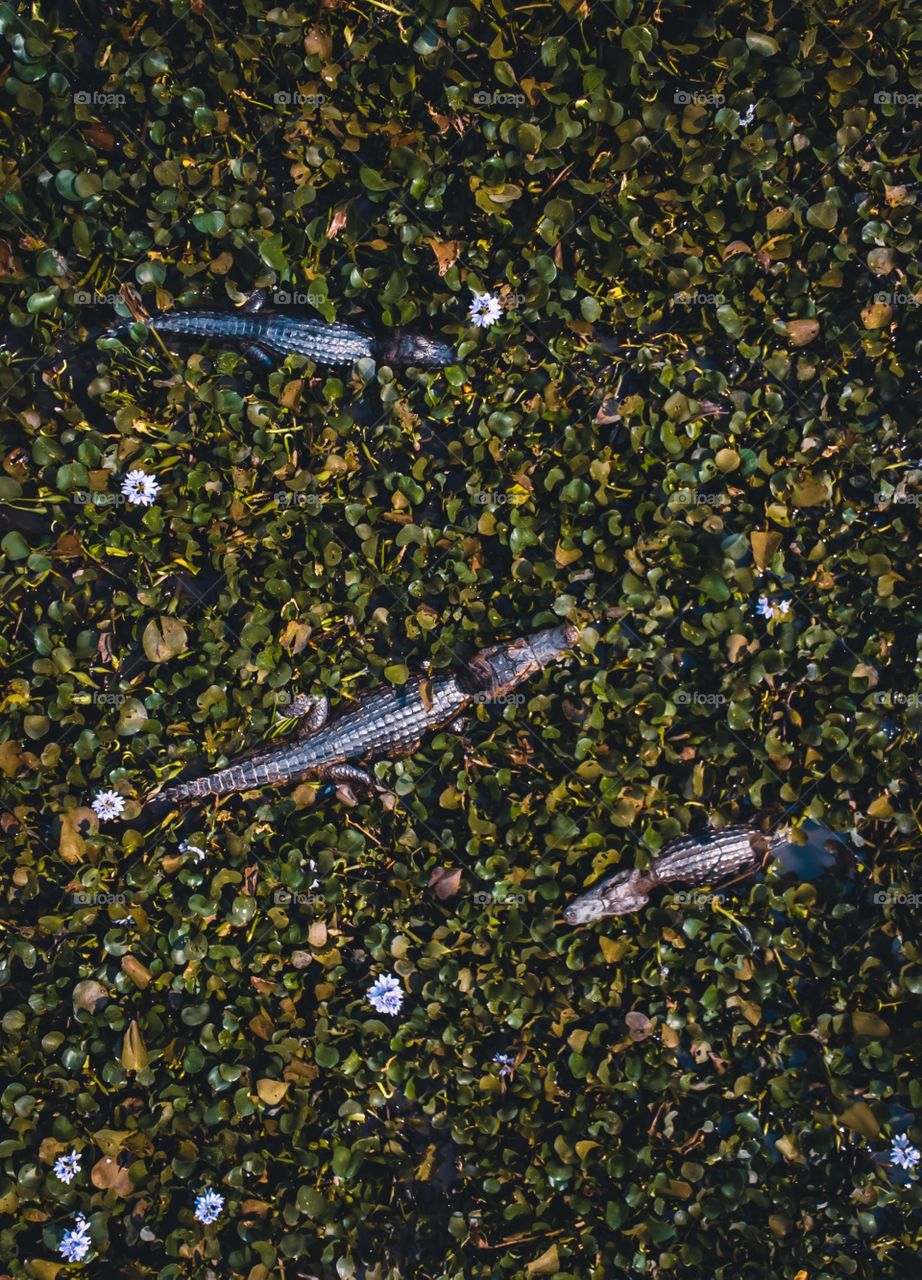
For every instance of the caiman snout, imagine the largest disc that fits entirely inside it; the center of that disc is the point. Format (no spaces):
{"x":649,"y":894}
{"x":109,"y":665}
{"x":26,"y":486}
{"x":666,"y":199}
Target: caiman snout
{"x":550,"y":645}
{"x":500,"y":668}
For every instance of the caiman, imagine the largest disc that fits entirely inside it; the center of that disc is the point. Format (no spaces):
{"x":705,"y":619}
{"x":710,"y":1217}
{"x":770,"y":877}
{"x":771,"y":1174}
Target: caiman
{"x":269,"y":335}
{"x":387,"y":724}
{"x":709,"y":858}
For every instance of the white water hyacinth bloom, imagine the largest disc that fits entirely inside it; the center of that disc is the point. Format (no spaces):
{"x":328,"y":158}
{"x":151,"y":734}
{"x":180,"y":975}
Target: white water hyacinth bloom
{"x":903,"y":1153}
{"x":485,"y":310}
{"x":76,"y":1243}
{"x":140,"y":489}
{"x":772,"y":608}
{"x":67,"y":1167}
{"x":386,"y":996}
{"x":208,"y":1205}
{"x":108,"y":805}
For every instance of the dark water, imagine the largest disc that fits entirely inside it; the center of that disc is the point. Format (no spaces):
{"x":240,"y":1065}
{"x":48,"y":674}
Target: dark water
{"x":825,"y":851}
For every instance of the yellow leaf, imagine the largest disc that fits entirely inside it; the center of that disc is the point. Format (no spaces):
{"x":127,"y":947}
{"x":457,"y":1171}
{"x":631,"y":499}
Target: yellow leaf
{"x":134,"y":1051}
{"x":876,"y":315}
{"x":163,"y":639}
{"x":71,"y":844}
{"x":812,"y":491}
{"x":764,"y":546}
{"x":136,"y":971}
{"x":612,"y":948}
{"x":271,"y":1091}
{"x":868,"y":1024}
{"x":860,"y":1117}
{"x":880,"y":808}
{"x":801,"y":332}
{"x":546,"y":1265}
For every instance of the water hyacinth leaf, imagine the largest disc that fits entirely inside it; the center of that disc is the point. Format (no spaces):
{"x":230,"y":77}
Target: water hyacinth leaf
{"x":164,"y":638}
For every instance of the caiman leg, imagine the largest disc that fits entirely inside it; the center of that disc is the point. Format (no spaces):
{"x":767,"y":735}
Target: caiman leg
{"x":259,"y":356}
{"x":347,"y":776}
{"x":313,"y":711}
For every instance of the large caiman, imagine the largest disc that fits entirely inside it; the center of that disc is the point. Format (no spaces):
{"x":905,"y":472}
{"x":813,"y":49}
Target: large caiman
{"x":268,"y":335}
{"x":710,"y":858}
{"x":387,"y":724}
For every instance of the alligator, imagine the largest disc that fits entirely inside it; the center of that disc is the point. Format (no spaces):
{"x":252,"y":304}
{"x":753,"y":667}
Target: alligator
{"x":268,"y":335}
{"x":386,"y":724}
{"x":707,"y":858}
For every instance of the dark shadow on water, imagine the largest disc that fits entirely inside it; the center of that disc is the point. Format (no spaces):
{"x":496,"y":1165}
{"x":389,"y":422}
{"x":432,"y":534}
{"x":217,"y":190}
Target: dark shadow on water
{"x":826,"y":852}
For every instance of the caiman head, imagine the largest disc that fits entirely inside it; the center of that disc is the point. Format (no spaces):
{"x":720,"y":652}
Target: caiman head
{"x":619,"y":895}
{"x":415,"y":348}
{"x":496,"y":670}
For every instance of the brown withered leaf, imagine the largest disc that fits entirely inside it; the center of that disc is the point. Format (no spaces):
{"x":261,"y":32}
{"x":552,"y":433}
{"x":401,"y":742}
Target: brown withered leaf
{"x":446,"y":252}
{"x":446,"y":881}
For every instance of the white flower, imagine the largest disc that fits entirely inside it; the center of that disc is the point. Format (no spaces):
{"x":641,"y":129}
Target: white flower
{"x":197,"y":853}
{"x":749,"y":114}
{"x":76,"y":1243}
{"x":903,"y":1153}
{"x":505,"y":1062}
{"x":67,"y":1167}
{"x":772,"y":608}
{"x":139,"y":488}
{"x":208,"y":1205}
{"x":485,"y":310}
{"x":108,"y":804}
{"x":386,"y":996}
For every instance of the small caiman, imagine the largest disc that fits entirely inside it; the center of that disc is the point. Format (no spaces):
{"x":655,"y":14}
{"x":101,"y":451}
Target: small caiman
{"x":268,"y":336}
{"x":387,"y":724}
{"x":708,"y":858}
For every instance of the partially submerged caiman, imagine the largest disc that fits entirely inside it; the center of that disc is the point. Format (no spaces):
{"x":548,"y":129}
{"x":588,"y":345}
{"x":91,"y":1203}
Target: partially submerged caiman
{"x":268,"y":336}
{"x":387,"y":724}
{"x":709,"y":858}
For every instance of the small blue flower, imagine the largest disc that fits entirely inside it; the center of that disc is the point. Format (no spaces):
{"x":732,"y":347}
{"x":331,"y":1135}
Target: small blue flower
{"x":903,"y":1153}
{"x":772,"y":608}
{"x":505,"y":1062}
{"x":485,"y":310}
{"x":386,"y":996}
{"x":67,"y":1167}
{"x":76,"y":1243}
{"x":208,"y":1205}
